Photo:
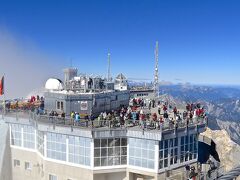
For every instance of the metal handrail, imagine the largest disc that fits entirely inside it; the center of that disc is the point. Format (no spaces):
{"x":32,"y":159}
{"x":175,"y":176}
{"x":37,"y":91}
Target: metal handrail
{"x":95,"y":123}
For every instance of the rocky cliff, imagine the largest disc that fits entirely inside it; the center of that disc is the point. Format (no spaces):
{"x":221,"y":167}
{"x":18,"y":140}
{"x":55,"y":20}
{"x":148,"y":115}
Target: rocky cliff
{"x":228,"y":150}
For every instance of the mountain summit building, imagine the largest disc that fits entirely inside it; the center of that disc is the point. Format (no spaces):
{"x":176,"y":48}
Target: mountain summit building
{"x":87,"y":95}
{"x":46,"y":147}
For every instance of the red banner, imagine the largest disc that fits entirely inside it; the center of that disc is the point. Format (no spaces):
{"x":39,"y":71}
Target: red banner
{"x":2,"y":86}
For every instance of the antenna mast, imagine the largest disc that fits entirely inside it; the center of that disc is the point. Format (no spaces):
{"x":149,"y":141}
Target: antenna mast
{"x":156,"y":82}
{"x":109,"y":73}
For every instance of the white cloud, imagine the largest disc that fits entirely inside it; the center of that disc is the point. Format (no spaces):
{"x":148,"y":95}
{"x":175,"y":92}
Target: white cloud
{"x":25,"y":67}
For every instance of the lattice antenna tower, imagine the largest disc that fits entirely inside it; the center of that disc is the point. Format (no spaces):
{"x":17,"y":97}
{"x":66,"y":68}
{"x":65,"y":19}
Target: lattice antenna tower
{"x":156,"y":78}
{"x":109,"y":68}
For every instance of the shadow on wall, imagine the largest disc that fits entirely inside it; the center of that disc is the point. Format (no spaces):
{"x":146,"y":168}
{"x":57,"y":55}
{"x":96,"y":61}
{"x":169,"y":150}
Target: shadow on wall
{"x":5,"y":153}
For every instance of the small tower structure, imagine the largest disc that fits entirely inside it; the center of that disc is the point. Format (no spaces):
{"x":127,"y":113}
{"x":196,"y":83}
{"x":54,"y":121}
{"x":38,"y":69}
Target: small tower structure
{"x":156,"y":78}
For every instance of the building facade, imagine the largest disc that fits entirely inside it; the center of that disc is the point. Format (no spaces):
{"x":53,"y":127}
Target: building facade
{"x":47,"y":152}
{"x":85,"y":94}
{"x":86,"y":103}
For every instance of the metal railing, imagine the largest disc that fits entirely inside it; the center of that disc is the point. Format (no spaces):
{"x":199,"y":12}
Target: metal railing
{"x":96,"y":123}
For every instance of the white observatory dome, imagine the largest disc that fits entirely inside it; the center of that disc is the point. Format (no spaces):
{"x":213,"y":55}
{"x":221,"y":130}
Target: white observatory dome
{"x":54,"y":84}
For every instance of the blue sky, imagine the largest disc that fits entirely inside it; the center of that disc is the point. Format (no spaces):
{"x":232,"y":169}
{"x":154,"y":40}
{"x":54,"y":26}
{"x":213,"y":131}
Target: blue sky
{"x":199,"y":41}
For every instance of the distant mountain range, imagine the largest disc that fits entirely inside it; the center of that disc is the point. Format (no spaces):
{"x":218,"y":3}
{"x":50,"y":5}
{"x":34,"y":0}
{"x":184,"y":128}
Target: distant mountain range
{"x":222,"y":103}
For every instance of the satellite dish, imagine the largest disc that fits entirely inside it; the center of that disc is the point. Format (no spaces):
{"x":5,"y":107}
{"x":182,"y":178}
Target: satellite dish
{"x":54,"y":84}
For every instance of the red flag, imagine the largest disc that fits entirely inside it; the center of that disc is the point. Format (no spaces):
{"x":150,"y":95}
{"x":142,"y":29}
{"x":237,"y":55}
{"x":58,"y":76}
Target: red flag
{"x":2,"y":86}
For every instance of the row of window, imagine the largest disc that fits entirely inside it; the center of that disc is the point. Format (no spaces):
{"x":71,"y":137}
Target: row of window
{"x":177,"y":150}
{"x":56,"y":146}
{"x":107,"y":152}
{"x":145,"y":94}
{"x":27,"y":165}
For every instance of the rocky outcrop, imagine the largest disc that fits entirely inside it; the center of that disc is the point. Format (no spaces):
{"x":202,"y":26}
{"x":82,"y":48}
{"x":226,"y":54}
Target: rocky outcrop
{"x":228,"y":150}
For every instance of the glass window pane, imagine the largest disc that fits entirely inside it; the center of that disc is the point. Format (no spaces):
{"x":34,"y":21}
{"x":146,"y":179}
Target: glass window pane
{"x":96,"y":142}
{"x":124,"y":142}
{"x":110,"y":142}
{"x":87,"y":151}
{"x":182,"y":140}
{"x":110,"y":152}
{"x":161,"y":145}
{"x":160,"y":154}
{"x":165,"y":162}
{"x":151,"y":154}
{"x":160,"y":164}
{"x":104,"y":161}
{"x":117,"y":151}
{"x":144,"y":163}
{"x":144,"y":153}
{"x":104,"y":143}
{"x":96,"y":161}
{"x":116,"y":160}
{"x":96,"y":152}
{"x":176,"y":142}
{"x":123,"y":159}
{"x":110,"y":161}
{"x":124,"y":151}
{"x":166,"y":153}
{"x":103,"y":152}
{"x":131,"y":161}
{"x":117,"y":142}
{"x":186,"y":139}
{"x":137,"y":162}
{"x":150,"y":164}
{"x":166,"y":144}
{"x":131,"y":151}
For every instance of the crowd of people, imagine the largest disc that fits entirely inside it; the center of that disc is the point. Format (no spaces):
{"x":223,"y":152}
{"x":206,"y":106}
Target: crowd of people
{"x":143,"y":115}
{"x":146,"y":115}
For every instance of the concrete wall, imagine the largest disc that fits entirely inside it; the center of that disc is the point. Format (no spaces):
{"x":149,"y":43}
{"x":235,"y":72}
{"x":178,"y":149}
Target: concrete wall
{"x":134,"y":174}
{"x":5,"y":153}
{"x":110,"y":176}
{"x":96,"y":103}
{"x":42,"y":168}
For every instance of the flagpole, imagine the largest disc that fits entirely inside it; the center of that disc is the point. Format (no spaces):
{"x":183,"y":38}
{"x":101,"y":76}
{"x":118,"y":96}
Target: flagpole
{"x":4,"y":98}
{"x":4,"y":94}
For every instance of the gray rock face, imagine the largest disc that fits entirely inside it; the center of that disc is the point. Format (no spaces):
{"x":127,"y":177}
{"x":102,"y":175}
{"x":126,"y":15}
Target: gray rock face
{"x":229,"y":151}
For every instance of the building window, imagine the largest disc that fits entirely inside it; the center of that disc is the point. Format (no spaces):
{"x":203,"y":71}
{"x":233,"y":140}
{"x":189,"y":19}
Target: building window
{"x":56,"y":146}
{"x":168,"y":153}
{"x":40,"y":142}
{"x":110,"y":152}
{"x":28,"y":137}
{"x":59,"y":105}
{"x":173,"y":151}
{"x":16,"y":135}
{"x":28,"y":166}
{"x":79,"y":150}
{"x":52,"y":177}
{"x":16,"y":163}
{"x":142,"y":153}
{"x":188,"y":148}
